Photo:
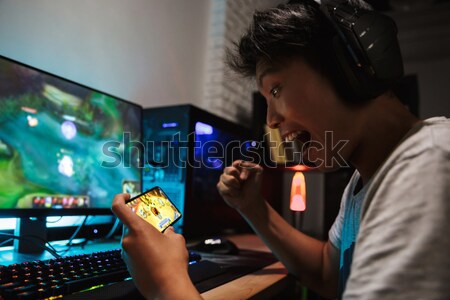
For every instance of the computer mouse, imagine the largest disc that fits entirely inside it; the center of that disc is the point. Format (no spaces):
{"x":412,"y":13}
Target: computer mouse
{"x":216,"y":246}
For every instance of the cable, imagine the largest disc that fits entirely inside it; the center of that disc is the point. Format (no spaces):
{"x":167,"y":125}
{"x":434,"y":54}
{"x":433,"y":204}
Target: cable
{"x":77,"y":230}
{"x":6,"y":242}
{"x":48,"y":247}
{"x":113,"y":229}
{"x":55,"y":221}
{"x":51,"y":247}
{"x":32,"y":238}
{"x":69,"y":243}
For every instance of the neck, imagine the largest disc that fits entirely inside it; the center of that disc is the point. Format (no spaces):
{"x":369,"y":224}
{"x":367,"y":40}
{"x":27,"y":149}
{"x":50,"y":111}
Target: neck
{"x":385,"y":121}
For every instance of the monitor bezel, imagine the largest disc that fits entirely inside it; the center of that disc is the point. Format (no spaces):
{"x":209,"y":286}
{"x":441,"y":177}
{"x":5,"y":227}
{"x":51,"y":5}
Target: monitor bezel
{"x":42,"y":212}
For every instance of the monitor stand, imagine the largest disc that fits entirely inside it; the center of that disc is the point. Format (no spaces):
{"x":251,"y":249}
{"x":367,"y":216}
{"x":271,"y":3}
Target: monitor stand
{"x":33,"y":233}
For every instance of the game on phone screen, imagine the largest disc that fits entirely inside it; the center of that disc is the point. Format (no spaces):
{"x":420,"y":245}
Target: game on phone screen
{"x":155,"y":207}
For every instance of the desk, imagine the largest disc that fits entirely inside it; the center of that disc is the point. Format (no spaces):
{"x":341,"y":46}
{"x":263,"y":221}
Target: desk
{"x":263,"y":284}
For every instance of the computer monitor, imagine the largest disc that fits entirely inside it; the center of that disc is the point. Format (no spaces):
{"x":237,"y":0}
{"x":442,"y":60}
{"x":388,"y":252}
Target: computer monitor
{"x":65,"y":149}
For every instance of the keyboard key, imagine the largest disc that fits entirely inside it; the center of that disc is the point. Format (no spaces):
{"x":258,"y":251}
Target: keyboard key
{"x":64,"y":276}
{"x":85,"y":283}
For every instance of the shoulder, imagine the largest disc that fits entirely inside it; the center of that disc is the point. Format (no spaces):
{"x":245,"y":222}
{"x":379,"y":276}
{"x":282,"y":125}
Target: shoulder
{"x":421,"y":161}
{"x":430,"y":134}
{"x":414,"y":182}
{"x":405,"y":217}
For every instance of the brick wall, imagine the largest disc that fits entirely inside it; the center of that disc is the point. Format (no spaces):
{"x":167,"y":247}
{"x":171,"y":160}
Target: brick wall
{"x":225,"y":94}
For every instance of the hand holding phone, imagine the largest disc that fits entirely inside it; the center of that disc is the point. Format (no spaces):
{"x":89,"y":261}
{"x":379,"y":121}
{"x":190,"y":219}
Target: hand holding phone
{"x":156,"y":208}
{"x":142,"y":248}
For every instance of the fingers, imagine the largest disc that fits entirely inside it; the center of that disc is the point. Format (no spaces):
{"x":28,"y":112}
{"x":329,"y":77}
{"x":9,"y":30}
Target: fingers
{"x":239,"y":171}
{"x":230,"y":176}
{"x":232,"y":171}
{"x":247,"y":168}
{"x":170,"y":233}
{"x":230,"y":181}
{"x":119,"y":208}
{"x":131,"y":221}
{"x":242,"y":169}
{"x":169,"y":230}
{"x":240,"y":164}
{"x":247,"y":172}
{"x":225,"y":191}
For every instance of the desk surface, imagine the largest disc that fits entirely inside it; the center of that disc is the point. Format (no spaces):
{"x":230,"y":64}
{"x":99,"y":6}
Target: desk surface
{"x":261,"y":284}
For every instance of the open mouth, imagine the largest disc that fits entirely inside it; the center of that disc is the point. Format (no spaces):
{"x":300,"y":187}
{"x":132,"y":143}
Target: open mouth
{"x":300,"y":142}
{"x":300,"y":139}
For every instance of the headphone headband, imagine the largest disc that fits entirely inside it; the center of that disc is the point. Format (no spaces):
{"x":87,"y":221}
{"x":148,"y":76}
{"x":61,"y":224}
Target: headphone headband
{"x":366,"y":48}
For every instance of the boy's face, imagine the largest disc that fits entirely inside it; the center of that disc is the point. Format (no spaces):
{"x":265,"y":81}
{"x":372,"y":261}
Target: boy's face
{"x":305,"y":107}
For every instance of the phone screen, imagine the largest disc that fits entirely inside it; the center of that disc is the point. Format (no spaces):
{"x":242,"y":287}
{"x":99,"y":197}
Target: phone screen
{"x":156,"y":208}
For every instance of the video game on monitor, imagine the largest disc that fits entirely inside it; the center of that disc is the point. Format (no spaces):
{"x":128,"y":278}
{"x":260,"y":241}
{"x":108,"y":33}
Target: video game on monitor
{"x":62,"y":144}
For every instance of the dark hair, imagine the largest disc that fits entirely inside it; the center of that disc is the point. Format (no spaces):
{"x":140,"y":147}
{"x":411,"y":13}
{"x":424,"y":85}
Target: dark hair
{"x":294,"y":30}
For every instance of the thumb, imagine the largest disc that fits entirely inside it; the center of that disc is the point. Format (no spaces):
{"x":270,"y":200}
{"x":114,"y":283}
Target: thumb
{"x":254,"y":172}
{"x":169,"y":231}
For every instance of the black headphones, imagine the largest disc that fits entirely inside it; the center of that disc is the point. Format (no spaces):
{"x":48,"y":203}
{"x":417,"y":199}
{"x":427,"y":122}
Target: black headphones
{"x":365,"y":49}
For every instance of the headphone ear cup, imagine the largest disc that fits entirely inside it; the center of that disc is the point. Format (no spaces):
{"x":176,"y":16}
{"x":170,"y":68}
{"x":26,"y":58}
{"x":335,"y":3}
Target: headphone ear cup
{"x":377,"y":35}
{"x":350,"y":84}
{"x":366,"y":54}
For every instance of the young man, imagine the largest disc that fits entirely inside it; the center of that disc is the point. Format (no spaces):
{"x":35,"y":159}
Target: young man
{"x":392,"y":229}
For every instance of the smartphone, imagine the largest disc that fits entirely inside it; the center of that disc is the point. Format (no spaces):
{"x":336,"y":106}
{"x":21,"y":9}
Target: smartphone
{"x":156,"y":208}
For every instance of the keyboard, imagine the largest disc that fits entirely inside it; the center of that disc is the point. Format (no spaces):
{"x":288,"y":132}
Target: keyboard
{"x":72,"y":275}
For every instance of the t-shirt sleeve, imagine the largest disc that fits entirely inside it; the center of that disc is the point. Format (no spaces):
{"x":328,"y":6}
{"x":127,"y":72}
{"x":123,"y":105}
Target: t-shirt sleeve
{"x":403,"y":243}
{"x":335,"y":232}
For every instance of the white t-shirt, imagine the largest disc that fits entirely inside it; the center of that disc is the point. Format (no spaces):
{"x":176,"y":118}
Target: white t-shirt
{"x":344,"y":231}
{"x":402,"y":249}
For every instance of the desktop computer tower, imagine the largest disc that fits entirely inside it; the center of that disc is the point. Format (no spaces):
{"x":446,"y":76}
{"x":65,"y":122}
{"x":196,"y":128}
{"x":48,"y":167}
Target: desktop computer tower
{"x":186,"y":150}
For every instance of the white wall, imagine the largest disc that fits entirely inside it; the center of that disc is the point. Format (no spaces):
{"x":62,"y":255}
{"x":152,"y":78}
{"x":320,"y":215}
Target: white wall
{"x":146,"y":51}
